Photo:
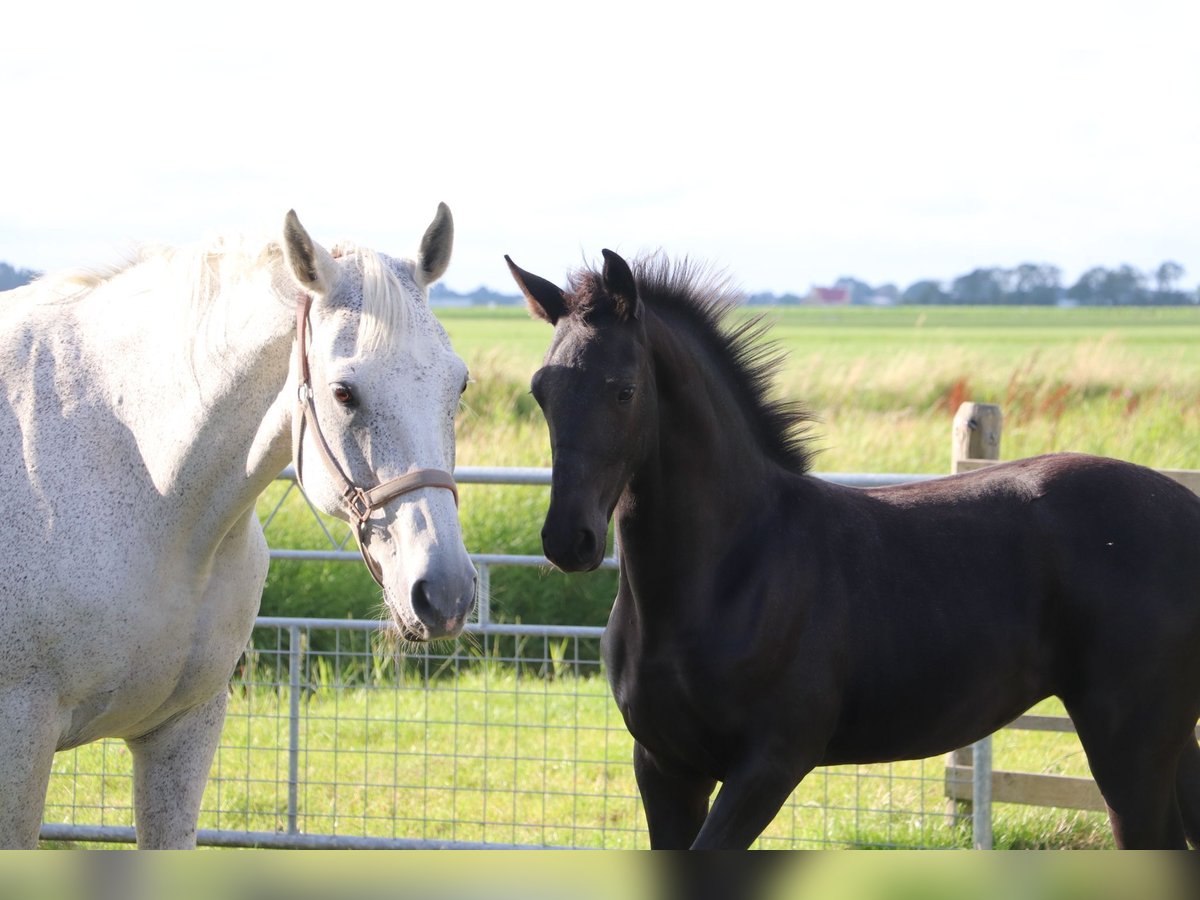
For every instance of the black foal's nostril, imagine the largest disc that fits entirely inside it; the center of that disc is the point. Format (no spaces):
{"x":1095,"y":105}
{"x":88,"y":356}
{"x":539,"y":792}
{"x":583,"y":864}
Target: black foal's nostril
{"x":585,"y":544}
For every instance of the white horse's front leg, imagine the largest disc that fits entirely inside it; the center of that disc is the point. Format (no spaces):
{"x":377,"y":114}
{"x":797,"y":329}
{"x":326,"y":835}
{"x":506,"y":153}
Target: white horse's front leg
{"x":170,"y":770}
{"x":29,"y":731}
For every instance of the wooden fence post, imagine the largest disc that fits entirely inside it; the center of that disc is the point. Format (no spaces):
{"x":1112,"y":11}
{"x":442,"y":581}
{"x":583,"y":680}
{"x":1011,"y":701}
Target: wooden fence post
{"x":974,"y":436}
{"x":976,"y":433}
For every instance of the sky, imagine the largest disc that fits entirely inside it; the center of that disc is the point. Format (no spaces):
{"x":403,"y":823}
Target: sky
{"x":786,"y":144}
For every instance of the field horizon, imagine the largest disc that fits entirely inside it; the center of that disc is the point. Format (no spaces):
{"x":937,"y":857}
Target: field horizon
{"x":884,"y":383}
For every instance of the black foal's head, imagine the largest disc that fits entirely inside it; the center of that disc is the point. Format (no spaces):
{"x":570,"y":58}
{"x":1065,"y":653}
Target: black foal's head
{"x":596,"y":389}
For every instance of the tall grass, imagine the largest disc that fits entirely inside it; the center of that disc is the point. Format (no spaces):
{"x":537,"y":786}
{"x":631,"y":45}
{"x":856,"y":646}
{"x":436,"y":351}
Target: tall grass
{"x":884,"y":384}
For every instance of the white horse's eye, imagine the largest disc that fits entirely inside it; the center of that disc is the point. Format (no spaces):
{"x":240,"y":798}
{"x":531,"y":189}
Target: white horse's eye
{"x":343,"y":395}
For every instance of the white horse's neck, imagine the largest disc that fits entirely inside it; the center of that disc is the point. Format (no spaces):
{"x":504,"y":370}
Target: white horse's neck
{"x":202,"y":388}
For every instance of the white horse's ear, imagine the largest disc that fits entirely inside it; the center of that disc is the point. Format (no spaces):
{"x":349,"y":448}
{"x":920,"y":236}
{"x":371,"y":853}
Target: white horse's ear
{"x":434,"y":255}
{"x":311,"y":264}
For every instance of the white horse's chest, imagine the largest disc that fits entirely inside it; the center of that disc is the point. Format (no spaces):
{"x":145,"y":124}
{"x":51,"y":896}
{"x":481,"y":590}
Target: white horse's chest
{"x":179,"y":649}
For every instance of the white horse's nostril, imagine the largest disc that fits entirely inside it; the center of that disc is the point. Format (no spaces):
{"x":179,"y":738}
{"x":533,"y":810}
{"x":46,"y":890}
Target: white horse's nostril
{"x":422,"y":604}
{"x":440,"y":606}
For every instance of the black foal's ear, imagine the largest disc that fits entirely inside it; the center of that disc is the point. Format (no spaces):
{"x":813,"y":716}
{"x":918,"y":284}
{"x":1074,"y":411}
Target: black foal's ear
{"x":545,"y":300}
{"x":621,"y":286}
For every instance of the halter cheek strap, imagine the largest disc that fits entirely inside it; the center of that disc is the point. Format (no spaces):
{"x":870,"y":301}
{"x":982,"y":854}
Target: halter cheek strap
{"x":357,"y":501}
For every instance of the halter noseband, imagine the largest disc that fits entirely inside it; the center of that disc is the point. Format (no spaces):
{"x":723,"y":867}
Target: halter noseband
{"x":358,"y":502}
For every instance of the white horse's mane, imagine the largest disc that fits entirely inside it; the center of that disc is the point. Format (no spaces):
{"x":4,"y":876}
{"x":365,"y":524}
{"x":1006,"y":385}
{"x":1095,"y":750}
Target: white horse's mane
{"x":70,"y":285}
{"x":385,"y":297}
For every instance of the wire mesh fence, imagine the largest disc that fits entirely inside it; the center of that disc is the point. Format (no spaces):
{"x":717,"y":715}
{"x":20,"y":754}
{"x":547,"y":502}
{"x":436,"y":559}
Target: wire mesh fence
{"x":508,"y":738}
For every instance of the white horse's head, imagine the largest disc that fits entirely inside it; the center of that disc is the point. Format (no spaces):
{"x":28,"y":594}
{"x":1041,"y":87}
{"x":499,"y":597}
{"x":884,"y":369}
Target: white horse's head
{"x":377,"y":416}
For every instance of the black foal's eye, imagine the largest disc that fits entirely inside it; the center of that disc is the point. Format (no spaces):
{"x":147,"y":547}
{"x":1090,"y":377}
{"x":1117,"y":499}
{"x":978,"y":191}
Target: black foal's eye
{"x":343,"y":395}
{"x":626,"y":393}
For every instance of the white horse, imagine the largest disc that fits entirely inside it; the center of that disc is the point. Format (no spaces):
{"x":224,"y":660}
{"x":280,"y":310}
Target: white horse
{"x":142,"y":411}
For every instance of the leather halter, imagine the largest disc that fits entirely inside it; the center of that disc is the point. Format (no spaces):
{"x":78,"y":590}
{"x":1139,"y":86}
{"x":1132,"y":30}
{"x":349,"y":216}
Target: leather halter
{"x":358,"y":502}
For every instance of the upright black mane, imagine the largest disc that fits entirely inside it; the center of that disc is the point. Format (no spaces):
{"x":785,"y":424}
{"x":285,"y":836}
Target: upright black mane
{"x":703,"y":301}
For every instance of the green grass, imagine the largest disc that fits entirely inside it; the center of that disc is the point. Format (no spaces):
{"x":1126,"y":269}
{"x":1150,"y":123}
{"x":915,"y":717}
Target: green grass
{"x":505,"y":757}
{"x":886,"y":382}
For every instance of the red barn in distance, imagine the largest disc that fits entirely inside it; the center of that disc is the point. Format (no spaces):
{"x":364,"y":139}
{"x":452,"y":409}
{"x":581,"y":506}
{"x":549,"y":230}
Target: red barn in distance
{"x":828,"y":296}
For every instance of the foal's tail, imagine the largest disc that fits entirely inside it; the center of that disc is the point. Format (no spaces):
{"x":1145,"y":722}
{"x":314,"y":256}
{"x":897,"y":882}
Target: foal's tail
{"x":1187,"y":790}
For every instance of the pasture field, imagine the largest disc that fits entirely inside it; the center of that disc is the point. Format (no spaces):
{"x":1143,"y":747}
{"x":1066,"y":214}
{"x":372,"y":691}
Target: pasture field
{"x":885,"y":384}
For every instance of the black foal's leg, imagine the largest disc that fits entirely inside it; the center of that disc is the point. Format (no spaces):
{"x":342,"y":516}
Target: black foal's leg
{"x":1134,"y":761}
{"x":675,"y":803}
{"x":747,"y":802}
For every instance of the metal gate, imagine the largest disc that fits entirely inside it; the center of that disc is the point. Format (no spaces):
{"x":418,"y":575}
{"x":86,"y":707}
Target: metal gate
{"x":506,"y":738}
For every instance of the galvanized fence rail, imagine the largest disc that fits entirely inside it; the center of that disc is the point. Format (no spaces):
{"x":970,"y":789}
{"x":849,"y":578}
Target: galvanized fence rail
{"x":506,"y":738}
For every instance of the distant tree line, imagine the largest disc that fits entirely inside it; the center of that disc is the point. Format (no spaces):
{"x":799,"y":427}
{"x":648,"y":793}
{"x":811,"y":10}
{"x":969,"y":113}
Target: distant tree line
{"x":13,"y":278}
{"x":1041,"y":285}
{"x":481,"y":296}
{"x":1029,"y":284}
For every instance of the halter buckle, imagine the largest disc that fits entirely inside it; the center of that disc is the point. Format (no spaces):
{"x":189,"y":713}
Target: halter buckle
{"x":357,"y":504}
